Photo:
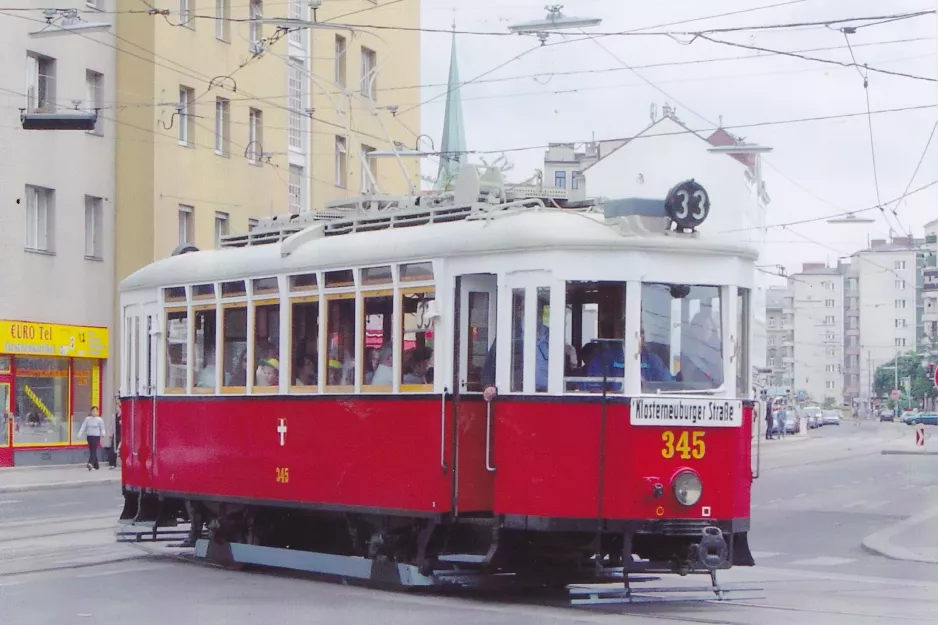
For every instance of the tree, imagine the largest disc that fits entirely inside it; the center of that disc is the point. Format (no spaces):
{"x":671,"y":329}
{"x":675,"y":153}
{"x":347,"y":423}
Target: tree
{"x":829,"y":403}
{"x":910,"y":366}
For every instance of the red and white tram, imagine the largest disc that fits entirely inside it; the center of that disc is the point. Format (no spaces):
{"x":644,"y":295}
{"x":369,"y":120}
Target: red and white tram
{"x":313,"y":395}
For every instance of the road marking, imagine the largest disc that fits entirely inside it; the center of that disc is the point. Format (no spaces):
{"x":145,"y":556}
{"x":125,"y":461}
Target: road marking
{"x":12,"y":501}
{"x":855,"y":504}
{"x":801,"y":495}
{"x":67,"y":503}
{"x":764,"y":554}
{"x":824,"y":561}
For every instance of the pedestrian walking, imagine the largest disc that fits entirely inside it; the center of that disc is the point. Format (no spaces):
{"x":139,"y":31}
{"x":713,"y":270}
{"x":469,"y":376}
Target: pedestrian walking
{"x":780,"y":423}
{"x":768,"y":421}
{"x":93,"y":428}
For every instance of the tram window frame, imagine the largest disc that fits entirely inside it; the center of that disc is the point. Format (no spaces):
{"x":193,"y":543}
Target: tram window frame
{"x":203,"y":292}
{"x":609,"y":300}
{"x":227,"y":356}
{"x":325,"y":357}
{"x":265,"y":286}
{"x":401,"y":361}
{"x":255,"y":358}
{"x":233,"y":289}
{"x":313,"y":302}
{"x":339,"y":279}
{"x":175,"y":294}
{"x":303,"y":282}
{"x":206,"y":312}
{"x":420,"y":271}
{"x":171,"y":313}
{"x":377,"y":289}
{"x":516,"y":361}
{"x":717,"y":293}
{"x":743,"y":341}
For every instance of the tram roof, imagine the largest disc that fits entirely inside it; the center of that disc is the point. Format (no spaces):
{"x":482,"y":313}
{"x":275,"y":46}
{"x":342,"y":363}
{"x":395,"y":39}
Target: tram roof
{"x":509,"y":232}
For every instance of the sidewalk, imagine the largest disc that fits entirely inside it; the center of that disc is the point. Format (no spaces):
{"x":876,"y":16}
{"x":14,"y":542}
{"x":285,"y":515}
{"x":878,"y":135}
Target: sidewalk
{"x":19,"y":479}
{"x":912,"y":540}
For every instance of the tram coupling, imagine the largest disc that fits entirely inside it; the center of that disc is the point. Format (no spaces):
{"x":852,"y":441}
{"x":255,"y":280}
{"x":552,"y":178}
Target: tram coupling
{"x":711,"y":552}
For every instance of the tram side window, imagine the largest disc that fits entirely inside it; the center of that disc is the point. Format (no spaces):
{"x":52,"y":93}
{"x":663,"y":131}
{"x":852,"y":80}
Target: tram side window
{"x":305,"y":316}
{"x":480,"y":370}
{"x":517,"y":340}
{"x":177,"y":342}
{"x":742,"y":342}
{"x":267,"y":345}
{"x":594,"y":333}
{"x":379,"y":355}
{"x":340,"y":341}
{"x":682,"y":347}
{"x":235,"y":339}
{"x":417,"y":334}
{"x":203,"y":356}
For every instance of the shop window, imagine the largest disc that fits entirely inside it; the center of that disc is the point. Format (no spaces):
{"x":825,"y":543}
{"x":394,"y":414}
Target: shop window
{"x":177,"y":341}
{"x":303,"y":282}
{"x":594,"y":330}
{"x":203,"y":353}
{"x":42,"y":401}
{"x":417,"y":338}
{"x":82,"y":393}
{"x":6,"y":415}
{"x":517,"y":340}
{"x":417,"y":272}
{"x":377,"y":372}
{"x":234,"y":288}
{"x":4,"y":364}
{"x":267,"y":347}
{"x":235,"y":346}
{"x":305,"y":339}
{"x":340,"y":342}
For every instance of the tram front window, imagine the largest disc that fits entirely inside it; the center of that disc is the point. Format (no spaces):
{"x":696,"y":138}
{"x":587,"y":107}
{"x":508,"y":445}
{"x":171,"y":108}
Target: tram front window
{"x":594,"y":334}
{"x":682,"y":346}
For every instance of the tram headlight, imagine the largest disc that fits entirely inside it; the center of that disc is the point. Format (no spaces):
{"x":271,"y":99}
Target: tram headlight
{"x":687,"y":488}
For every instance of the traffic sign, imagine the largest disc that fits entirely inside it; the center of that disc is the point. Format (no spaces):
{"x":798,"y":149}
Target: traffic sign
{"x":920,"y":436}
{"x":895,"y":393}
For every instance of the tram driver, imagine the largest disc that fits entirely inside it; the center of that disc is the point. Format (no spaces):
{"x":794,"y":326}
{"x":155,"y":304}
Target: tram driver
{"x":609,"y":358}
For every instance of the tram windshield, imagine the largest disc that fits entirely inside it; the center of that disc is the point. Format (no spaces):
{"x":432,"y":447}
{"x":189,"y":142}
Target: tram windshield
{"x":682,"y":338}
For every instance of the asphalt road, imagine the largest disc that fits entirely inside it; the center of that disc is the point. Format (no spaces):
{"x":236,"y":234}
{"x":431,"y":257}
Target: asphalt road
{"x":812,"y":504}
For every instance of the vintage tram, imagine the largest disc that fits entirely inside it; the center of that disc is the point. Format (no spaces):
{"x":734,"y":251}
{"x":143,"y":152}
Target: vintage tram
{"x":473,"y":383}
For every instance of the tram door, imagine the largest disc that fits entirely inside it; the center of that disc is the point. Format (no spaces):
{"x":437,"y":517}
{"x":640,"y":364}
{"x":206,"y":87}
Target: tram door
{"x":475,"y":337}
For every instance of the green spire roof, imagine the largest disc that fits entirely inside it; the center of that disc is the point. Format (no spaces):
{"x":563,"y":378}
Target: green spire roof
{"x":453,"y":146}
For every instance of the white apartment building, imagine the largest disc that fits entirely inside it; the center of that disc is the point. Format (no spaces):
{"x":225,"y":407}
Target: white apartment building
{"x":818,"y":322}
{"x":930,"y":291}
{"x":890,"y":305}
{"x":56,"y":231}
{"x":851,"y":274}
{"x":779,"y":337}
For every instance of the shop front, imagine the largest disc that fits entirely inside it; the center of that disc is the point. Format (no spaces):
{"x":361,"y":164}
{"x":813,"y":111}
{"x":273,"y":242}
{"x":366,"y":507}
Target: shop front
{"x":50,"y":377}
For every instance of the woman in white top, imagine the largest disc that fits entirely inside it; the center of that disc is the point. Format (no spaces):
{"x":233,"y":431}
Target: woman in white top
{"x":93,"y":428}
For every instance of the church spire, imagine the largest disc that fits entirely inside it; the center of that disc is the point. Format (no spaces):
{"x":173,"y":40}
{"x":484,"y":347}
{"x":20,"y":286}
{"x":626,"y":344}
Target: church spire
{"x":453,"y":145}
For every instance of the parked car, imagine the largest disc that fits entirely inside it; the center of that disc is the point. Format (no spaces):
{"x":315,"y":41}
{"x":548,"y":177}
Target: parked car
{"x":831,"y":417}
{"x":887,"y":415}
{"x":792,"y":425}
{"x":923,"y":418}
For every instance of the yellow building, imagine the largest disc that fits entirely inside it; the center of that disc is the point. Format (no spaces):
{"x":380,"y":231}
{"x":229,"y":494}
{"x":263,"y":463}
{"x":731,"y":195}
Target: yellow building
{"x":364,"y":81}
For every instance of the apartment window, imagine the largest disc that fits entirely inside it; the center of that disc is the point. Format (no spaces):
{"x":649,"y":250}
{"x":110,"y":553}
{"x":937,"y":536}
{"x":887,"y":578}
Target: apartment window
{"x":252,"y":223}
{"x":186,"y":13}
{"x":829,"y":336}
{"x":341,"y":162}
{"x":560,"y":179}
{"x":255,"y":135}
{"x":341,"y":49}
{"x":94,"y":228}
{"x":830,"y":368}
{"x":94,"y":96}
{"x":829,"y":385}
{"x":771,"y":322}
{"x":829,"y":320}
{"x":222,"y":126}
{"x":369,"y":72}
{"x":900,"y":342}
{"x":853,"y":323}
{"x":40,"y":91}
{"x":295,"y":104}
{"x":771,"y":362}
{"x":186,"y":119}
{"x":900,"y":304}
{"x":256,"y":30}
{"x":899,"y":264}
{"x":829,"y":303}
{"x":297,"y":35}
{"x":369,"y":166}
{"x":40,"y":218}
{"x":771,"y":341}
{"x":222,"y":20}
{"x":295,"y":190}
{"x":852,"y":341}
{"x":575,"y":180}
{"x":902,"y":323}
{"x":221,"y":227}
{"x":831,"y":351}
{"x":186,"y":224}
{"x":900,"y":284}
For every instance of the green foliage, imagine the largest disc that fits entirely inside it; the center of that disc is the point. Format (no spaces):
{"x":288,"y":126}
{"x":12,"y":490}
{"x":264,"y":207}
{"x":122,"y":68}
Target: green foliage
{"x":910,"y":366}
{"x":829,"y":403}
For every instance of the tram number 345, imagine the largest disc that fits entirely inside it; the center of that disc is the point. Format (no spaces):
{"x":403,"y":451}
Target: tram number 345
{"x":687,"y":444}
{"x":283,"y":475}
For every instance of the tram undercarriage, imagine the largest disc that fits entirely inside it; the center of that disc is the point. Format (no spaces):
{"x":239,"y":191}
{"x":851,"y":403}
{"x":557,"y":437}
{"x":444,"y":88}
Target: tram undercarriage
{"x":431,"y":552}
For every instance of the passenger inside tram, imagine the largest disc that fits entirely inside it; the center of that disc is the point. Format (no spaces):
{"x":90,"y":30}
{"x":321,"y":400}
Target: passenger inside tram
{"x":702,"y":356}
{"x":384,"y":372}
{"x":305,"y":371}
{"x":416,"y":364}
{"x":205,"y":378}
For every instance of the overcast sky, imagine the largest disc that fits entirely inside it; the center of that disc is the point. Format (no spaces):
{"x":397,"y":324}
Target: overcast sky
{"x":817,"y":168}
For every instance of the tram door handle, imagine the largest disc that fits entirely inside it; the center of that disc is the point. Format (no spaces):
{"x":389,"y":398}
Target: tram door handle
{"x":488,"y":437}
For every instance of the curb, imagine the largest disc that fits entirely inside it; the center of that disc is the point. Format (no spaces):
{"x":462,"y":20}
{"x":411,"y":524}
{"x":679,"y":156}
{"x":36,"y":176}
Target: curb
{"x":42,"y":467}
{"x":879,"y":542}
{"x":902,"y":452}
{"x":19,"y":488}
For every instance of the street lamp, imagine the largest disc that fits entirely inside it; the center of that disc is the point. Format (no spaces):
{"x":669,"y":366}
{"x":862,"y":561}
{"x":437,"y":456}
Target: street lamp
{"x":555,"y":20}
{"x":850,"y":218}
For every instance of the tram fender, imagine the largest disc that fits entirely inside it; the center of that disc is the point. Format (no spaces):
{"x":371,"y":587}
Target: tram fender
{"x":741,"y":554}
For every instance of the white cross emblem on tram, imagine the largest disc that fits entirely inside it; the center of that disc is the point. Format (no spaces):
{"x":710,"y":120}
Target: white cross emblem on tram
{"x":282,"y":429}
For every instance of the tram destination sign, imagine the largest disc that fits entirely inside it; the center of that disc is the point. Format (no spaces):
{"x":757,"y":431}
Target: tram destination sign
{"x":689,"y":411}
